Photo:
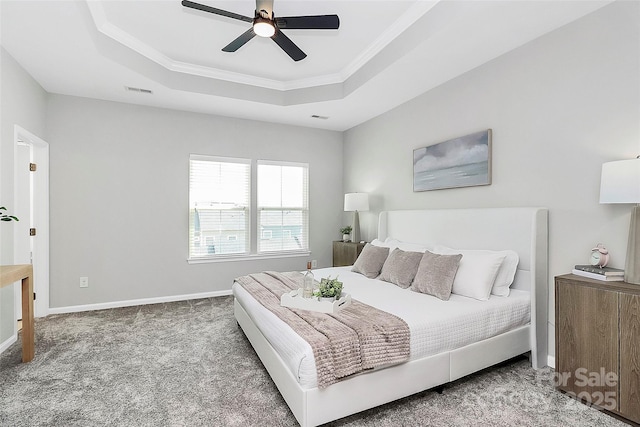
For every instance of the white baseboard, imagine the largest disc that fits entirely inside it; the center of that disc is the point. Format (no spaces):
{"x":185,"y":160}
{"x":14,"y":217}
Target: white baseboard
{"x":551,"y":361}
{"x":134,"y":302}
{"x":5,"y":345}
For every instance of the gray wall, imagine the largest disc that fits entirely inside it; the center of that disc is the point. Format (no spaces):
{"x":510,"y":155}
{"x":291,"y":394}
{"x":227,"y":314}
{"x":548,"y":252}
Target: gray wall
{"x":559,"y":107}
{"x":119,"y":196}
{"x":23,"y":103}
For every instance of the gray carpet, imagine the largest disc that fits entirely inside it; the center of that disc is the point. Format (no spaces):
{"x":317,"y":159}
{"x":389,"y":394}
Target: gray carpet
{"x":188,"y":364}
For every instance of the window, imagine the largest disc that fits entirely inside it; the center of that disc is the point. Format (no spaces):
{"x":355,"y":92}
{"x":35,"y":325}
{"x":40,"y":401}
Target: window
{"x":283,"y":206}
{"x":219,"y":206}
{"x":221,"y":212}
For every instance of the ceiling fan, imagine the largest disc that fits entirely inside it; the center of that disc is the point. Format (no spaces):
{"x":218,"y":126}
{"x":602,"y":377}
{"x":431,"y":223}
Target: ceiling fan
{"x":265,"y":24}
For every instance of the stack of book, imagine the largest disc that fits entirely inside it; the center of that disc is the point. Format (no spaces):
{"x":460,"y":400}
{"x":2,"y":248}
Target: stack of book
{"x":607,"y":274}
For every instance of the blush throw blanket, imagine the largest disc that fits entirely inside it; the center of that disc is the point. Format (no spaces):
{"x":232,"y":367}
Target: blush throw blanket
{"x":358,"y":338}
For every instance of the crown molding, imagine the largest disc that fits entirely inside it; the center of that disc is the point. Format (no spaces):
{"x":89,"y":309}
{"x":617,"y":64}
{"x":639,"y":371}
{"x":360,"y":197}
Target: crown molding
{"x":415,"y":12}
{"x":114,"y":32}
{"x":104,"y":26}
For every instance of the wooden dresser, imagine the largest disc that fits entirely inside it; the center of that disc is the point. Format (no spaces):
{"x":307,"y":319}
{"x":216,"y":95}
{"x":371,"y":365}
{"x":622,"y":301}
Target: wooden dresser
{"x":598,"y":343}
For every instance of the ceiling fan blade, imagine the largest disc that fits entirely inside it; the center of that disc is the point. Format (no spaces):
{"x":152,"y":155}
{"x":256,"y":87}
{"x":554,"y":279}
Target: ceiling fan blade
{"x":317,"y":22}
{"x":288,"y":46}
{"x":240,"y":41}
{"x":205,"y":8}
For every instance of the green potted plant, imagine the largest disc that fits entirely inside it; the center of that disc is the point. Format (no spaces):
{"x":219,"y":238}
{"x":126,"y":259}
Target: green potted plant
{"x":329,"y":289}
{"x":346,"y":233}
{"x":6,"y":217}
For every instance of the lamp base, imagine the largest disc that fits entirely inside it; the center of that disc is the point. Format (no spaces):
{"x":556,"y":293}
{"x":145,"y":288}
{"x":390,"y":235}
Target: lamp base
{"x":355,"y":234}
{"x":632,"y":264}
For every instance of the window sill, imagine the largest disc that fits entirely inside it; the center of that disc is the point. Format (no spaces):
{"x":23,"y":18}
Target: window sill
{"x":251,"y":257}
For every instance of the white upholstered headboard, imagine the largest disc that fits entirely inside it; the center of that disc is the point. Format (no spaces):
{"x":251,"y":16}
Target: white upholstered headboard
{"x":523,"y":230}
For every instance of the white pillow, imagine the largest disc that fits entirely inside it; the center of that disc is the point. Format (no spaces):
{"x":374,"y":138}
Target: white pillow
{"x":389,"y":243}
{"x":506,"y":272}
{"x":476,"y":273}
{"x":377,"y":242}
{"x":392,"y":243}
{"x":413,"y":247}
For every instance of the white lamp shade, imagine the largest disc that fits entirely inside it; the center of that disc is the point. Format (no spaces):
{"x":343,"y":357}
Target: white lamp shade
{"x":620,"y":182}
{"x":356,"y":202}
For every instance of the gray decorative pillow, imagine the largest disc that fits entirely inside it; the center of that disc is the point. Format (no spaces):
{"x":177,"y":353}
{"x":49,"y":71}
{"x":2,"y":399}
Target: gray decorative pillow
{"x":370,"y":261}
{"x":401,"y":267}
{"x":435,"y":274}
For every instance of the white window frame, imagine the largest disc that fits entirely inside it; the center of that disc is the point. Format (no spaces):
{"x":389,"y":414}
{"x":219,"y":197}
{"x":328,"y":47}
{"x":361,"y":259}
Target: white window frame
{"x":246,"y":209}
{"x":253,"y":229}
{"x":304,"y":209}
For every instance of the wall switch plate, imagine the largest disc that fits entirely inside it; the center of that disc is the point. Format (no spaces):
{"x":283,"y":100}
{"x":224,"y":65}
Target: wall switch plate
{"x":84,"y":282}
{"x":314,"y":263}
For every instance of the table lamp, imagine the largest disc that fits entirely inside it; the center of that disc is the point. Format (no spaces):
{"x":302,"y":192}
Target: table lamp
{"x":356,"y":202}
{"x":620,"y":183}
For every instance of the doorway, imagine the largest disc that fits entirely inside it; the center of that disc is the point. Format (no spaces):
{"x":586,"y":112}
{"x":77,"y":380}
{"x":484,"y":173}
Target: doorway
{"x":31,"y":199}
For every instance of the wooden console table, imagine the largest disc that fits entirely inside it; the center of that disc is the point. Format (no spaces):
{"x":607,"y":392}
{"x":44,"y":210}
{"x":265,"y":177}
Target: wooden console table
{"x":8,"y":275}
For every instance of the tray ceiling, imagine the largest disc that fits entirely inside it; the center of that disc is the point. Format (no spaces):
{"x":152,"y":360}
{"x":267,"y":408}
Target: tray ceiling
{"x":385,"y":52}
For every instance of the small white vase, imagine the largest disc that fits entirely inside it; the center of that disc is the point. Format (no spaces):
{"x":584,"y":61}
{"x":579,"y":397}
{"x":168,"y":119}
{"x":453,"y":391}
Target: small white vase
{"x":346,"y":237}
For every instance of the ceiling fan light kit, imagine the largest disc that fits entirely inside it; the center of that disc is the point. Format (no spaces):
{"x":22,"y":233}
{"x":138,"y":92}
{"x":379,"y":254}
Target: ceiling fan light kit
{"x":265,"y":24}
{"x":263,"y":27}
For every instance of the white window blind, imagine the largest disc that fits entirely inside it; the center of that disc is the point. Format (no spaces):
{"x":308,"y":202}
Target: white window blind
{"x":283,"y":206}
{"x":219,"y":206}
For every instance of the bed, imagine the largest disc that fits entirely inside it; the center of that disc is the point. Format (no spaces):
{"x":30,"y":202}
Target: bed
{"x":433,"y":361}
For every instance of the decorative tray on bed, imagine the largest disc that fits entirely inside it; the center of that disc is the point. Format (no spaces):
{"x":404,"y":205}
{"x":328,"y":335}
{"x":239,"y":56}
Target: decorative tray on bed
{"x":294,"y":299}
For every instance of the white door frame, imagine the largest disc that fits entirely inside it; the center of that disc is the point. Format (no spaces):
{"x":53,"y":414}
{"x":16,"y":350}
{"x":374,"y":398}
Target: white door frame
{"x":40,"y":212}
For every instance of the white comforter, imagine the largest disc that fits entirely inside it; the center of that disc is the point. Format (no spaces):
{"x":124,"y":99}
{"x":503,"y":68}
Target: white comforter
{"x":435,"y":325}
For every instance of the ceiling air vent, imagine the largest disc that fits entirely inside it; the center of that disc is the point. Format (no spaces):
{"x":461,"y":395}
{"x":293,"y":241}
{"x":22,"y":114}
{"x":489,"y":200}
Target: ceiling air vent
{"x":137,"y":89}
{"x":315,"y":116}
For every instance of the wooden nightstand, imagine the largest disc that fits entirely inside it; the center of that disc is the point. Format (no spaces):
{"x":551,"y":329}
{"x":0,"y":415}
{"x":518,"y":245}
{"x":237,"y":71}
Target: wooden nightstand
{"x":598,"y":343}
{"x":346,"y":253}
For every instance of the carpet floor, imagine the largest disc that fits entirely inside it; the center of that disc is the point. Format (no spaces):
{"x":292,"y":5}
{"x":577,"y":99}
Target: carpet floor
{"x":189,"y":364}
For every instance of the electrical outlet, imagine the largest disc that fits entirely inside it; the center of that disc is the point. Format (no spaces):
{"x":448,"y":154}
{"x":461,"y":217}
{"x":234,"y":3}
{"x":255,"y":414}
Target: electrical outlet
{"x":314,"y":263}
{"x":84,"y":282}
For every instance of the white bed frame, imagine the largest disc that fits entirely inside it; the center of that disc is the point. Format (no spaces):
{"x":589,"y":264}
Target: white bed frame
{"x":523,"y":230}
